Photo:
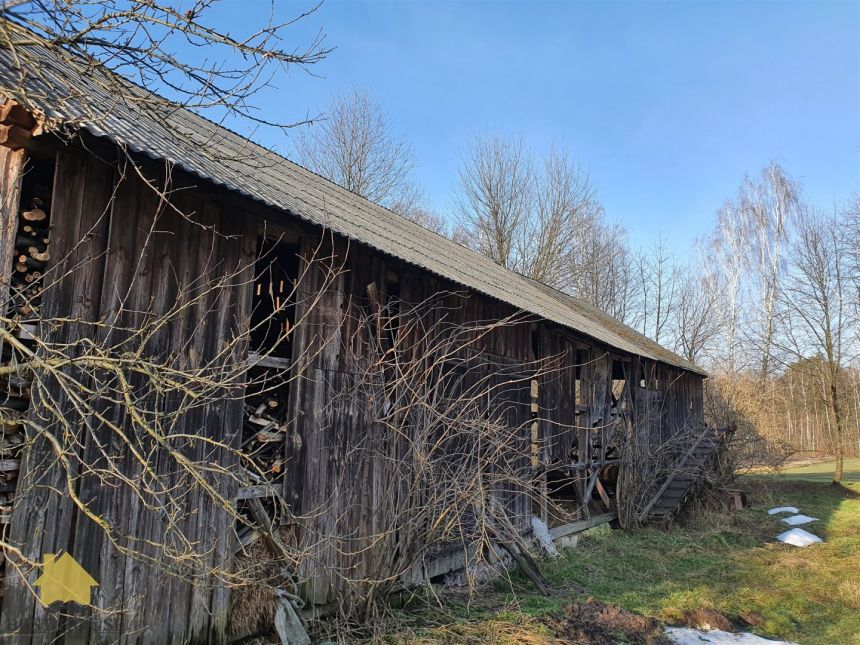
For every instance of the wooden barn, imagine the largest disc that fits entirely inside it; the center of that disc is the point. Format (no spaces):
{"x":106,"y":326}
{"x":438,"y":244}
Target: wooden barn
{"x":111,"y":226}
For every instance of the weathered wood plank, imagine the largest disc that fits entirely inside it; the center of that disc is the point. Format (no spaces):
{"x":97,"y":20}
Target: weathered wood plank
{"x":79,"y":248}
{"x":48,"y":512}
{"x":12,"y":165}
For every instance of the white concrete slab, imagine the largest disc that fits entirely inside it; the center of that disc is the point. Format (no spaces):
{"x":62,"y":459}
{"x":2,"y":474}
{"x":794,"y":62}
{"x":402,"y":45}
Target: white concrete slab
{"x":799,"y":520}
{"x":798,"y":537}
{"x":783,"y":509}
{"x":690,"y":636}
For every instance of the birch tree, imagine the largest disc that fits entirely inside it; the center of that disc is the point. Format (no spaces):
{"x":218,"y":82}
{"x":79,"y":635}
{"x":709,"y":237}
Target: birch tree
{"x":728,"y":247}
{"x":768,"y":205}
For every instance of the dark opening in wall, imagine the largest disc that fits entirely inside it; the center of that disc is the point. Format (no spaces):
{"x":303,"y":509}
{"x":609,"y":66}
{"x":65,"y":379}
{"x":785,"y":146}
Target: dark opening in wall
{"x":32,"y":240}
{"x":272,"y":321}
{"x":274,"y":301}
{"x":392,"y":305}
{"x":25,"y":277}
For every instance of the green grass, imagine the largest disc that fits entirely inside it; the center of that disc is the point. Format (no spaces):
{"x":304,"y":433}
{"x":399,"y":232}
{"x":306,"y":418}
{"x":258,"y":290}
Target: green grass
{"x":823,"y":472}
{"x":727,"y":562}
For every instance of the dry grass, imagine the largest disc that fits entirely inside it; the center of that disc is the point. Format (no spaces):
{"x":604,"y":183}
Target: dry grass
{"x":252,"y":606}
{"x":503,"y":629}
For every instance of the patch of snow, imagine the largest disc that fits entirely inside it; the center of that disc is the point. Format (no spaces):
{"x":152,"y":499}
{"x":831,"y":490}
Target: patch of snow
{"x":690,"y":636}
{"x":797,"y":520}
{"x":783,"y":509}
{"x":541,"y":533}
{"x":798,"y":537}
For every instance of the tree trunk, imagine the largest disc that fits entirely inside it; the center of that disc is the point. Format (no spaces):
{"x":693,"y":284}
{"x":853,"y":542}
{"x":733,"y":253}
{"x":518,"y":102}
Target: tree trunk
{"x":837,"y":473}
{"x":840,"y":441}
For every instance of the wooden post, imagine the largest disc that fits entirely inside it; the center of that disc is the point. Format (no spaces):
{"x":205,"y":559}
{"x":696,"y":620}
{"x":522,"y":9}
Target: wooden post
{"x":11,"y":170}
{"x":536,"y":447}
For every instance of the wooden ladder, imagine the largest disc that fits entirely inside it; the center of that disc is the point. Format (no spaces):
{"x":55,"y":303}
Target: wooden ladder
{"x":683,"y":476}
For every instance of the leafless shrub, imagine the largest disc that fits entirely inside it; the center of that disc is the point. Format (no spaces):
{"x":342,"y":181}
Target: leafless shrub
{"x":736,"y":402}
{"x":445,"y":430}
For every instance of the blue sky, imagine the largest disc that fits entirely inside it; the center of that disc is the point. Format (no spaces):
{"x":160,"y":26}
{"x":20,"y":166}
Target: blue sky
{"x":667,"y":104}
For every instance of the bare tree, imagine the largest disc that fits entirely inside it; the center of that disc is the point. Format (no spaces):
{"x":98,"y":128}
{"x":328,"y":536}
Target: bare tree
{"x":354,"y":146}
{"x":565,"y":216}
{"x":496,"y":193}
{"x":819,"y":321}
{"x":543,"y":220}
{"x":696,"y":319}
{"x":152,"y":44}
{"x":427,"y":218}
{"x":776,"y":376}
{"x":768,"y":207}
{"x":852,"y":216}
{"x":601,"y":271}
{"x":727,"y":250}
{"x":659,"y":282}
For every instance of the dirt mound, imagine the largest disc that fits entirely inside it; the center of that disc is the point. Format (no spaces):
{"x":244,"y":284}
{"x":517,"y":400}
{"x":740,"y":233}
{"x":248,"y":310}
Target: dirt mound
{"x":706,"y":619}
{"x":752,"y":618}
{"x":594,"y":623}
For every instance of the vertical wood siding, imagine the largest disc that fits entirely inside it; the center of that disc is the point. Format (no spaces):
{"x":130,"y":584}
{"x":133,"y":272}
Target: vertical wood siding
{"x":110,"y":266}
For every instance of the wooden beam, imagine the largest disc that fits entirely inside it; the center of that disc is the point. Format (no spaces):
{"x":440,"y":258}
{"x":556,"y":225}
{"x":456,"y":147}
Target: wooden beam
{"x":11,"y":171}
{"x":581,"y":525}
{"x":255,"y":492}
{"x":11,"y":113}
{"x":269,"y":361}
{"x":602,"y":492}
{"x":14,"y":137}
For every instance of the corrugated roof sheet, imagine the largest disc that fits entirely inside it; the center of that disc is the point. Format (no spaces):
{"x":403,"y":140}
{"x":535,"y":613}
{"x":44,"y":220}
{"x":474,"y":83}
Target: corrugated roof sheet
{"x":77,"y":93}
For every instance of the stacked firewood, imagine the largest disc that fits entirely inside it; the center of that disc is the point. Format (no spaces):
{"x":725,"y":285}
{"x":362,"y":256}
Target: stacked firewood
{"x":263,"y":437}
{"x":25,"y":295}
{"x":31,"y":256}
{"x":14,"y":401}
{"x":264,"y":433}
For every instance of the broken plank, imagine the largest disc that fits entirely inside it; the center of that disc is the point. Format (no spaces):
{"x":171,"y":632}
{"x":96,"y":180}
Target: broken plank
{"x":255,"y":492}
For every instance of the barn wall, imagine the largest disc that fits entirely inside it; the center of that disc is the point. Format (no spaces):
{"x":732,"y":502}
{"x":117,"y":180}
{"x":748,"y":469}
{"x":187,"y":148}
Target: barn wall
{"x":322,"y":479}
{"x":120,"y":257}
{"x":114,"y":269}
{"x":340,"y":495}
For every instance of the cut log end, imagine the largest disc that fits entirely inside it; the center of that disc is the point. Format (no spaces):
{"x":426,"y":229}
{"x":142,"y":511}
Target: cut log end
{"x":34,"y":215}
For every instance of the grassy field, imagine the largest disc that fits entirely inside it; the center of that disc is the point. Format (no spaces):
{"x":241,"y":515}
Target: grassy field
{"x":725,"y":562}
{"x":823,"y":472}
